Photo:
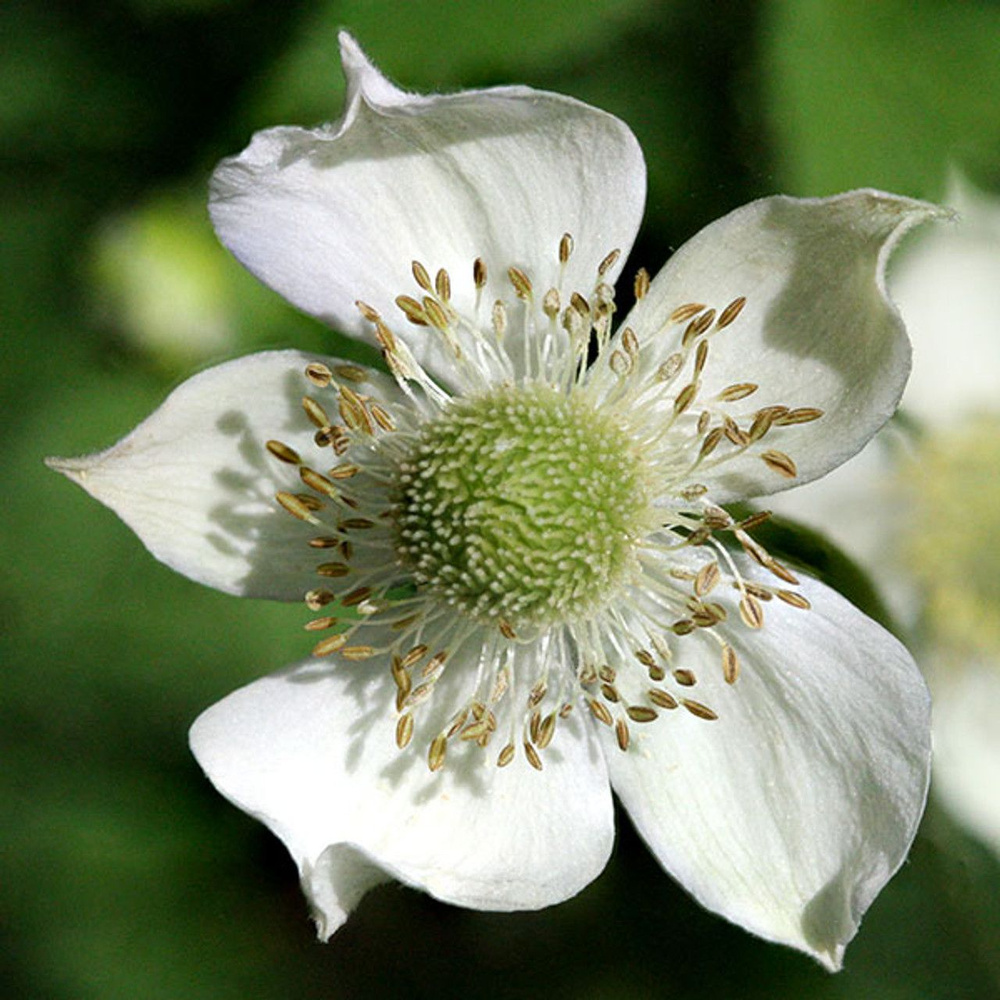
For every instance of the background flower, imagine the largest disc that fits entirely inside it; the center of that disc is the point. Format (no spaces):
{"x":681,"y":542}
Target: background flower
{"x":121,"y":871}
{"x":920,"y":507}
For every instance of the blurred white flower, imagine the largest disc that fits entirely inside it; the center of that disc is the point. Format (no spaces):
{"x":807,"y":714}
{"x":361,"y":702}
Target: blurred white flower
{"x":920,"y":506}
{"x":158,"y":277}
{"x":536,"y":597}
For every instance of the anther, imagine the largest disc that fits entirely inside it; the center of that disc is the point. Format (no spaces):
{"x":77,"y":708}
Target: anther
{"x":382,"y":417}
{"x":780,"y":463}
{"x":609,"y":262}
{"x":668,"y":369}
{"x":639,"y":713}
{"x":442,"y":285}
{"x":320,"y":624}
{"x":686,"y":397}
{"x":520,"y":281}
{"x":630,"y":342}
{"x":738,"y":390}
{"x":319,"y":483}
{"x":420,"y":275}
{"x":622,"y":734}
{"x":697,"y":327}
{"x":404,"y":730}
{"x":357,"y":652}
{"x":546,"y":731}
{"x":751,"y":612}
{"x":479,"y":273}
{"x":295,"y":506}
{"x":318,"y":598}
{"x":711,"y":442}
{"x":343,"y":471}
{"x":499,"y":319}
{"x":730,"y":664}
{"x":330,"y":645}
{"x":661,"y":698}
{"x":532,"y":754}
{"x":698,"y":709}
{"x":565,"y":248}
{"x":436,"y":315}
{"x":794,"y":599}
{"x":332,"y":570}
{"x":368,"y":312}
{"x":707,"y":578}
{"x":319,"y":374}
{"x":435,"y":755}
{"x":412,"y":310}
{"x":600,"y":712}
{"x":729,"y":314}
{"x":316,"y":414}
{"x":683,"y":313}
{"x":802,"y":415}
{"x":700,"y":357}
{"x":283,"y":453}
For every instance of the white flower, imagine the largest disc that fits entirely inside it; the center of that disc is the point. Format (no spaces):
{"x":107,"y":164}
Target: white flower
{"x":537,"y":597}
{"x":940,"y":473}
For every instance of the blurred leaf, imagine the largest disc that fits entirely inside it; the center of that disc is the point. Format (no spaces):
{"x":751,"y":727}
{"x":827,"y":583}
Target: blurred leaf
{"x":883,"y":95}
{"x":436,"y":46}
{"x":60,"y":94}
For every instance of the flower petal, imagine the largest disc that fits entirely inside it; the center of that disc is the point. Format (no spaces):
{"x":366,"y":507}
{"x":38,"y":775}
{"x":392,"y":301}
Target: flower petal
{"x":311,"y":753}
{"x":817,"y":330}
{"x":967,"y":744}
{"x":948,"y":290}
{"x":789,"y":812}
{"x":331,"y":215}
{"x":196,"y":484}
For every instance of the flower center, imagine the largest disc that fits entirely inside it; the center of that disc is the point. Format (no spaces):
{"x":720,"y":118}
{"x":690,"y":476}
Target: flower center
{"x":522,"y":506}
{"x":534,"y":534}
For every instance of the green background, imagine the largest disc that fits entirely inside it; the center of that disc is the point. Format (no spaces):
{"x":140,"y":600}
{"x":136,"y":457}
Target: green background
{"x":123,"y":874}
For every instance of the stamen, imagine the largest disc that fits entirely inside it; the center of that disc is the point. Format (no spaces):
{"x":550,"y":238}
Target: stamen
{"x":528,"y":526}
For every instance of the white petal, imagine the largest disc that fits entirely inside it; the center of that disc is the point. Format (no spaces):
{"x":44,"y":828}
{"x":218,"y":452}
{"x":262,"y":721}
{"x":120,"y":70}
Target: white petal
{"x":967,"y":745}
{"x":196,"y":484}
{"x":817,"y":329}
{"x":789,"y":812}
{"x":860,"y":507}
{"x":311,"y":753}
{"x":331,"y":215}
{"x":948,"y":290}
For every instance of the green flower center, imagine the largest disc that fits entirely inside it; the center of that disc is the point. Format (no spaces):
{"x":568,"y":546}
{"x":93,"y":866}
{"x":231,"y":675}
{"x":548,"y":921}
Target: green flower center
{"x":522,"y":506}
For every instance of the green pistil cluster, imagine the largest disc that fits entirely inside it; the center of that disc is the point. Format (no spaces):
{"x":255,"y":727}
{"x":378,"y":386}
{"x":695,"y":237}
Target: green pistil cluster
{"x":522,"y":506}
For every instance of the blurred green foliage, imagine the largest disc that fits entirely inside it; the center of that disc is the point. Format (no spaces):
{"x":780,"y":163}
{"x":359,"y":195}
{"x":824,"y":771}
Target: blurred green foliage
{"x":124,"y":875}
